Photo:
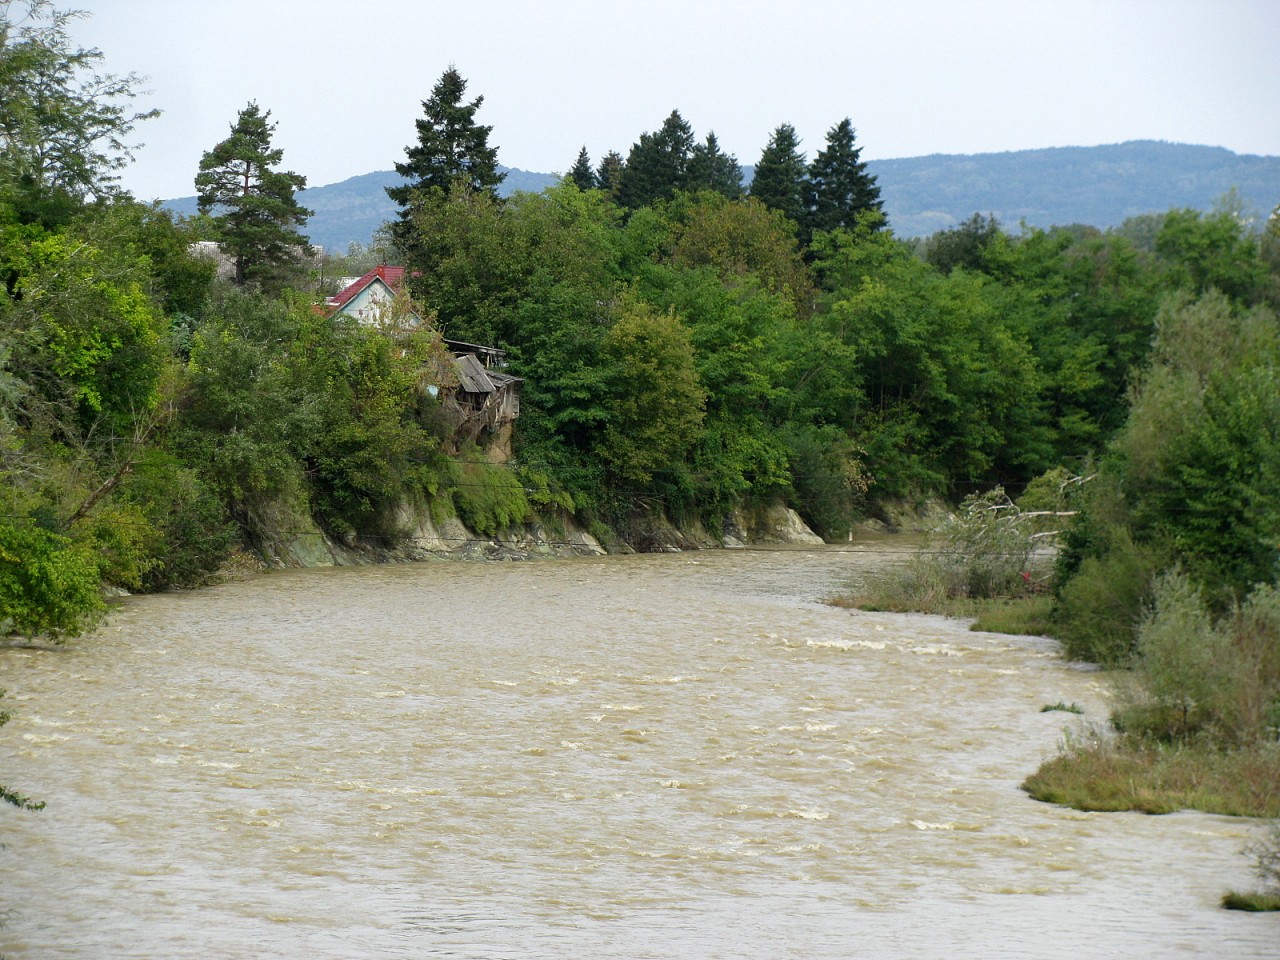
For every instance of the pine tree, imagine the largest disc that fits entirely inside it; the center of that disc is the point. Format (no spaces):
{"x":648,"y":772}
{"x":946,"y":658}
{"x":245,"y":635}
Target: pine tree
{"x":712,"y":169}
{"x":253,"y":204}
{"x":451,"y":149}
{"x":658,"y":164}
{"x":609,"y":174}
{"x":582,"y":176}
{"x":839,"y":186}
{"x":780,"y":179}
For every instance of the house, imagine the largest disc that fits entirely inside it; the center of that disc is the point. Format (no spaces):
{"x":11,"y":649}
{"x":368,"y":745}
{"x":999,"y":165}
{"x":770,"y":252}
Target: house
{"x":485,"y":400}
{"x":372,"y":299}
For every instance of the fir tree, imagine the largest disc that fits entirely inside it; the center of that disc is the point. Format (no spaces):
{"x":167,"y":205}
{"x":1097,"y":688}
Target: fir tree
{"x":712,"y":169}
{"x":609,"y":174}
{"x":582,"y":176}
{"x":780,"y":180}
{"x":253,"y":204}
{"x":658,"y":164}
{"x":840,"y":188}
{"x":451,"y":149}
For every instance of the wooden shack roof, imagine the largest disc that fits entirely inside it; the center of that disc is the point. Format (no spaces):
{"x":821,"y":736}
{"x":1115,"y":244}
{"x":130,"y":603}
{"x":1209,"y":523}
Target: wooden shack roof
{"x":474,"y":378}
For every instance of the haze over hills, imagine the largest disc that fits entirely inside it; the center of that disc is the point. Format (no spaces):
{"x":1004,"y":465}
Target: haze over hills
{"x":1100,"y":186}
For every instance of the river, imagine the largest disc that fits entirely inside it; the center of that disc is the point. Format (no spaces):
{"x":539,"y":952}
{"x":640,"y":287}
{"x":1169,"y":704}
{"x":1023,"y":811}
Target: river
{"x":677,"y":755}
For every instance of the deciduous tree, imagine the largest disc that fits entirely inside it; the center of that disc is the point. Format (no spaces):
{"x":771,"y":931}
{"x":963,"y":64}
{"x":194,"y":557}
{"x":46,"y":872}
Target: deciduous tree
{"x":64,"y":126}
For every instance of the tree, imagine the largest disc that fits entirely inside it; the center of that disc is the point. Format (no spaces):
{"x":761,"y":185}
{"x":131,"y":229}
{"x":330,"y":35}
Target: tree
{"x":451,"y":149}
{"x":964,"y":245}
{"x":780,"y":175}
{"x":840,"y":188}
{"x":582,"y":175}
{"x":658,"y":164}
{"x":712,"y":169}
{"x":657,"y":401}
{"x":64,"y":126}
{"x":609,"y":174}
{"x":254,"y":207}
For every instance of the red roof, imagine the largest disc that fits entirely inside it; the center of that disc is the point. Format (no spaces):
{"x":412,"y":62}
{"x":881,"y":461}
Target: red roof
{"x":391,"y":276}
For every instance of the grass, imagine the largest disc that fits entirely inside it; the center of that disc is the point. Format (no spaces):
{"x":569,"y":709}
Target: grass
{"x":1162,"y":778}
{"x":1028,"y":615}
{"x":1253,"y":902}
{"x":1063,"y":707}
{"x":1025,"y":615}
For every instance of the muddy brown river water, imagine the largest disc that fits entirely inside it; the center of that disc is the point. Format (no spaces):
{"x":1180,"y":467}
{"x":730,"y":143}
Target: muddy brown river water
{"x":681,"y":755}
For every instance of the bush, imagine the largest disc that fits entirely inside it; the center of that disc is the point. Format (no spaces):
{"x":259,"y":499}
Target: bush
{"x":1100,"y":608}
{"x":48,"y":584}
{"x":488,"y":498}
{"x":1219,"y":681}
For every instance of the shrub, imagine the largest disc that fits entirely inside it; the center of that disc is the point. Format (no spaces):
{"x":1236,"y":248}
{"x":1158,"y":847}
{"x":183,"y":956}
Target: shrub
{"x":488,"y":498}
{"x":1100,"y":608}
{"x":1197,"y":677}
{"x":48,"y":584}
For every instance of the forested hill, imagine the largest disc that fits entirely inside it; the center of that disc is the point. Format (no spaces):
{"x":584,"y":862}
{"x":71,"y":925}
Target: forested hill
{"x":1100,"y":186}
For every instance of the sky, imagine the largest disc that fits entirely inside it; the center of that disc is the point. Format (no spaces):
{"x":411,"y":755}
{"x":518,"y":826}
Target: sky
{"x":345,"y":81}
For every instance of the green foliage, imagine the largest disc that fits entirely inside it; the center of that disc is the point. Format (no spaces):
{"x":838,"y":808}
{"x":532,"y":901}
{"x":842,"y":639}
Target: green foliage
{"x":840,"y":190}
{"x":253,"y":204}
{"x":1123,"y":774}
{"x":64,"y":124}
{"x":712,"y":169}
{"x":828,"y":478}
{"x":1201,"y":677}
{"x":489,"y":498}
{"x":190,"y":536}
{"x":580,"y":174}
{"x":1100,"y":607}
{"x":963,"y":246}
{"x":451,"y":149}
{"x":48,"y":583}
{"x":658,"y":164}
{"x":780,"y":175}
{"x":1213,"y":251}
{"x":655,"y":398}
{"x":83,"y":329}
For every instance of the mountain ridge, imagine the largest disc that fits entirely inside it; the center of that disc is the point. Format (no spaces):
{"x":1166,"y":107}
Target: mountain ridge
{"x":1050,"y":186}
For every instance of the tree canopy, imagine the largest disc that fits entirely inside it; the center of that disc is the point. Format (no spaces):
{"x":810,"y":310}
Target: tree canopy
{"x":65,"y":126}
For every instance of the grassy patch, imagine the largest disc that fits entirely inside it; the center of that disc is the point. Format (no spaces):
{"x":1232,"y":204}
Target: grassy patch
{"x":1253,"y":902}
{"x":1159,"y":778}
{"x":1062,"y":707}
{"x":1027,"y":615}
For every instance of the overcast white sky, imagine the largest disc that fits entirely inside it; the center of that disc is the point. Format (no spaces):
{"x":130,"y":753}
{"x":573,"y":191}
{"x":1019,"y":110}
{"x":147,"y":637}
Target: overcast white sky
{"x":345,"y":81}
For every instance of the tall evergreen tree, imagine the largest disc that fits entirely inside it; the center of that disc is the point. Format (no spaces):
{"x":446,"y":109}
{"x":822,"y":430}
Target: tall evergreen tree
{"x":780,"y":180}
{"x":609,"y":174}
{"x":582,"y":176}
{"x":712,"y":169}
{"x":840,"y":188}
{"x":658,"y":164}
{"x":253,"y":204}
{"x":451,"y":148}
